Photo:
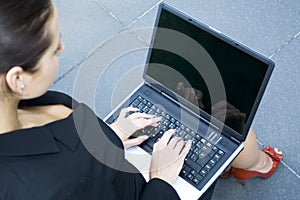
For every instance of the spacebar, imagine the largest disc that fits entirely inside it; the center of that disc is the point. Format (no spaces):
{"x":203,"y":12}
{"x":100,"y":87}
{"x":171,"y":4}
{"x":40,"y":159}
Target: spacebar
{"x":146,"y":148}
{"x":193,"y":165}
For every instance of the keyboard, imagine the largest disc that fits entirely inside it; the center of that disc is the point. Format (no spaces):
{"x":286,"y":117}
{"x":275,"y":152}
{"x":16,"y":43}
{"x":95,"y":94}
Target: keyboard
{"x":203,"y":155}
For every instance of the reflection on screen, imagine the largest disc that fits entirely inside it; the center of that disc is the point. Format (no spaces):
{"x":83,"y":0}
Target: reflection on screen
{"x":241,"y":74}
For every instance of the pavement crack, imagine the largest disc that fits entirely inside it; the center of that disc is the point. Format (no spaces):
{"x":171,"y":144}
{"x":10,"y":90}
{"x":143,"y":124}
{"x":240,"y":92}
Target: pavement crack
{"x":110,"y":13}
{"x":143,"y":14}
{"x":284,"y":45}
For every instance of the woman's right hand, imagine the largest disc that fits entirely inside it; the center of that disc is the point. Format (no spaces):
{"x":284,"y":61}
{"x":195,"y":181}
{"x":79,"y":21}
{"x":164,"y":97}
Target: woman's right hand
{"x":168,"y":157}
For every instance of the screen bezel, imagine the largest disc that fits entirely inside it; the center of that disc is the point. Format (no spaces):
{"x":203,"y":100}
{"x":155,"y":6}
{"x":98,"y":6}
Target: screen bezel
{"x":225,"y":129}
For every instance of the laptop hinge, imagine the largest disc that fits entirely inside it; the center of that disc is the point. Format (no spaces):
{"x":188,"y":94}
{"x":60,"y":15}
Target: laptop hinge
{"x":168,"y":97}
{"x":153,"y":87}
{"x":235,"y":140}
{"x":189,"y":110}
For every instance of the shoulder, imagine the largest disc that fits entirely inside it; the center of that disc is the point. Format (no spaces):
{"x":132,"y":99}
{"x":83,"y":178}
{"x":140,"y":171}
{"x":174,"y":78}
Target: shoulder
{"x":93,"y":129}
{"x":51,"y":98}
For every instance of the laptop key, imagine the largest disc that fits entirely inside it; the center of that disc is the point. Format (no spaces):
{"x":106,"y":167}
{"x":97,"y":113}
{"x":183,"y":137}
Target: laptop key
{"x":140,"y":106}
{"x":149,"y":104}
{"x":140,"y":98}
{"x":135,"y":103}
{"x":145,"y":101}
{"x":166,"y":122}
{"x":158,"y":111}
{"x":220,"y":152}
{"x":190,"y":176}
{"x":208,"y":167}
{"x":212,"y":162}
{"x":215,"y":149}
{"x":187,"y":130}
{"x":197,"y":179}
{"x":203,"y":172}
{"x":168,"y":117}
{"x":192,"y":164}
{"x":203,"y":160}
{"x":217,"y":157}
{"x":203,"y":140}
{"x":182,"y":127}
{"x":172,"y":126}
{"x":145,"y":109}
{"x":186,"y":168}
{"x":193,"y":172}
{"x":187,"y":137}
{"x":194,"y":157}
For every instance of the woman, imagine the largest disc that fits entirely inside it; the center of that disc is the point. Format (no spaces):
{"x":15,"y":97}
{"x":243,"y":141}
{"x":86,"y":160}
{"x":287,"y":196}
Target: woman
{"x":41,"y":154}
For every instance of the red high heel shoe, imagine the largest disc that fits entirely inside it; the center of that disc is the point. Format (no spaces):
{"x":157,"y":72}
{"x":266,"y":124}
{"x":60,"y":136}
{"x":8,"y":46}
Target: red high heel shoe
{"x":242,"y":174}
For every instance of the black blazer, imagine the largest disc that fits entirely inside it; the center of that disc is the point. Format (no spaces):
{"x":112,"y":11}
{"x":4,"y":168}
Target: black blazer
{"x":54,"y":161}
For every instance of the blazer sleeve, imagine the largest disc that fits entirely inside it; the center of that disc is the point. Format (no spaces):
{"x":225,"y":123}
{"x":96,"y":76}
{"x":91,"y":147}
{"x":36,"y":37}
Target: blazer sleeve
{"x":159,"y":190}
{"x":132,"y":185}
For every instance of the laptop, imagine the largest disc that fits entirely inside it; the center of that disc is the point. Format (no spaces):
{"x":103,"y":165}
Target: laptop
{"x":205,"y":85}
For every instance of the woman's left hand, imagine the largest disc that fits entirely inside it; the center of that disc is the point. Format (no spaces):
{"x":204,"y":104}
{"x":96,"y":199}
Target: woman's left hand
{"x":125,"y":126}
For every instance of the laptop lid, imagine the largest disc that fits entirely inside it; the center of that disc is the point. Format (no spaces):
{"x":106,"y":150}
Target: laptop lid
{"x":212,"y":75}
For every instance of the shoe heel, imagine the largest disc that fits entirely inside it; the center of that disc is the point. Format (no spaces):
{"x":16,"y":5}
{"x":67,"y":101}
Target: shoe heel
{"x":243,"y":182}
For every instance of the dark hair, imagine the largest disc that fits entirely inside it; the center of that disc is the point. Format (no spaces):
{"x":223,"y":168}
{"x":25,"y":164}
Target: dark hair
{"x":24,"y":36}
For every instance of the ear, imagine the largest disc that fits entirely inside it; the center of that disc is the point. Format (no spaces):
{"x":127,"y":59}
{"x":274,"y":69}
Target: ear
{"x":14,"y":79}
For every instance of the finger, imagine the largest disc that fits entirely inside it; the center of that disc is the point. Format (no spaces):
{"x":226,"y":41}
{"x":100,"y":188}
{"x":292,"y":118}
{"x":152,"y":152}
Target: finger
{"x":124,"y":111}
{"x":186,"y":149}
{"x":142,"y":122}
{"x":140,"y":115}
{"x":154,"y":121}
{"x":166,"y":137}
{"x":136,"y":141}
{"x":179,"y":146}
{"x":173,"y":142}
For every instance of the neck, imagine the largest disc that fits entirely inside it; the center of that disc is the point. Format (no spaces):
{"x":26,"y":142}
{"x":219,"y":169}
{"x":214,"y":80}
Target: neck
{"x":10,"y":121}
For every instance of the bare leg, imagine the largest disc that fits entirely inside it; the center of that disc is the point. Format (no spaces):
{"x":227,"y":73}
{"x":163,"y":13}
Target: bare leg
{"x":251,"y":158}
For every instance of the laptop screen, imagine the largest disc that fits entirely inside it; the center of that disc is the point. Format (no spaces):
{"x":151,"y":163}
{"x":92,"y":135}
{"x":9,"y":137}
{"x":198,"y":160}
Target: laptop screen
{"x":194,"y":62}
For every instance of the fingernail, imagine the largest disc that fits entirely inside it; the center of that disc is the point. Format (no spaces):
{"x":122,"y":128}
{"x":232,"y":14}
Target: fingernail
{"x":157,"y":118}
{"x":144,"y":137}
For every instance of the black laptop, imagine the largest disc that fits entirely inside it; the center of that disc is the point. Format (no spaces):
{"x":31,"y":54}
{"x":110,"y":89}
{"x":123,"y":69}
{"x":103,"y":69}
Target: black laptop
{"x":205,"y":85}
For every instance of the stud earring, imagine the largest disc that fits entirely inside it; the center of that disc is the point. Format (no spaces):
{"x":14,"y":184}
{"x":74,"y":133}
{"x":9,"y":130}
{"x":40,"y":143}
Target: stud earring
{"x":21,"y":88}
